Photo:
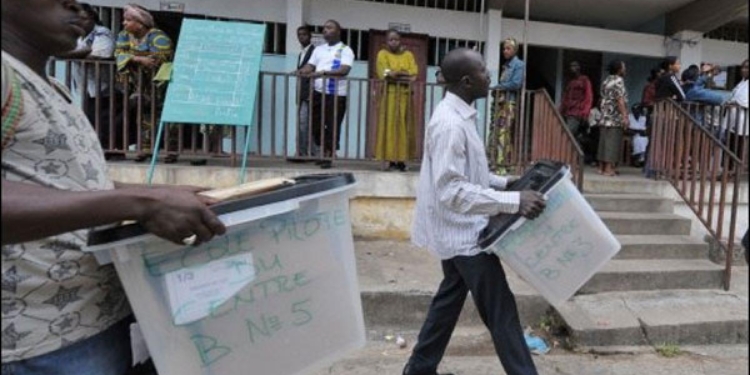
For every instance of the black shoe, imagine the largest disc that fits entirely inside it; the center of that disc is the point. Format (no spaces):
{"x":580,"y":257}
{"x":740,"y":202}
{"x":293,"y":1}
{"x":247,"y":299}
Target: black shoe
{"x":296,"y":160}
{"x":199,"y":162}
{"x":325,"y":164}
{"x":142,"y":157}
{"x":171,"y":159}
{"x":114,"y":156}
{"x":401,"y":167}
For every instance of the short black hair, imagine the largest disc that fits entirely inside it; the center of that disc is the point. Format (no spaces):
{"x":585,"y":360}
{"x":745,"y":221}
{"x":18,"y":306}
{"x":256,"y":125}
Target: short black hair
{"x":307,"y":28}
{"x":338,"y":25}
{"x":691,"y":73}
{"x":654,"y":74}
{"x":615,"y":66}
{"x":91,"y":12}
{"x":668,"y":61}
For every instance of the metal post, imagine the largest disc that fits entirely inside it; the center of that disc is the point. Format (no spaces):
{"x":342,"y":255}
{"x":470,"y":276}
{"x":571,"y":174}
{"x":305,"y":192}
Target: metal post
{"x":522,"y":107}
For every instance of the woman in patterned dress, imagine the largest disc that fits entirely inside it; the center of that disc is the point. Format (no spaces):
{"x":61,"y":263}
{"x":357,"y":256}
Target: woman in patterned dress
{"x":141,"y":47}
{"x":511,"y":81}
{"x":614,"y":119}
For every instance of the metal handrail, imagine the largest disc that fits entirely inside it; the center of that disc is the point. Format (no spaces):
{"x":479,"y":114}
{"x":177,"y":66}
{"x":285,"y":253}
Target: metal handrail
{"x":565,"y":147}
{"x":692,"y":158}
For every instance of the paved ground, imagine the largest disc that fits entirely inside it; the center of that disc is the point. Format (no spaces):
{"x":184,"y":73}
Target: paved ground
{"x":714,"y":360}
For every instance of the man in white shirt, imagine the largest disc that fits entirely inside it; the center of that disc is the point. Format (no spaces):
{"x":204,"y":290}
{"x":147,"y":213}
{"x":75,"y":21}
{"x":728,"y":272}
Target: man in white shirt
{"x":637,"y":119}
{"x":98,"y":44}
{"x":456,"y":195}
{"x":329,"y":65}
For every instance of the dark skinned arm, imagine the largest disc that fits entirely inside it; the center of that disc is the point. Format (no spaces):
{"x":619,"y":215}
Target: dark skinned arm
{"x":32,"y":212}
{"x":77,"y":54}
{"x":306,"y":70}
{"x":343,"y":71}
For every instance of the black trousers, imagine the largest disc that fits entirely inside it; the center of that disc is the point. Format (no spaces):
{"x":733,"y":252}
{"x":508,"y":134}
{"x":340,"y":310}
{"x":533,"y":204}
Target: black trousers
{"x":327,"y":112}
{"x":484,"y":277}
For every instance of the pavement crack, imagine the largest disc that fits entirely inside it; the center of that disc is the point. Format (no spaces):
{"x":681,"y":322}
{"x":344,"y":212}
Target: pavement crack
{"x":641,"y":323}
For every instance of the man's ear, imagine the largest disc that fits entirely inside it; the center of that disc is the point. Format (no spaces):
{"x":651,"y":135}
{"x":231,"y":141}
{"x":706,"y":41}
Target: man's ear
{"x":466,"y":81}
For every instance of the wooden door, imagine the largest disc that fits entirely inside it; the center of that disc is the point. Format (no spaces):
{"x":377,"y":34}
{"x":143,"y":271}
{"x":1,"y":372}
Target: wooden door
{"x":418,"y":44}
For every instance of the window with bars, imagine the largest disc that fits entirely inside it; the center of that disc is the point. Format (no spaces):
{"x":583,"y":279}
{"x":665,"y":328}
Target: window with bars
{"x":170,"y":22}
{"x":358,"y":41}
{"x":439,"y":47}
{"x":472,"y":6}
{"x":731,"y":32}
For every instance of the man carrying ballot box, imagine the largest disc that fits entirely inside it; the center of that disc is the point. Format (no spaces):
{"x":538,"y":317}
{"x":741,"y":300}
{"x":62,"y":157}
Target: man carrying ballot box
{"x":455,"y":199}
{"x":63,"y":313}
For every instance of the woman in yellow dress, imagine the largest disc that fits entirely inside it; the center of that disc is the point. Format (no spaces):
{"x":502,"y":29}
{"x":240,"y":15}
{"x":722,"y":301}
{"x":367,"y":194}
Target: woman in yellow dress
{"x":398,"y":68}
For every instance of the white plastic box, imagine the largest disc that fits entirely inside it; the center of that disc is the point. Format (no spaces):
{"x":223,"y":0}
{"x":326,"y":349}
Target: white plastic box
{"x":276,"y":295}
{"x":560,"y":250}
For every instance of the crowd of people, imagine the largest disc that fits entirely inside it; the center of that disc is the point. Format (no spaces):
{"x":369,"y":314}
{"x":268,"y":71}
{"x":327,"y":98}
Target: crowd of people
{"x":601,"y":129}
{"x":141,"y":48}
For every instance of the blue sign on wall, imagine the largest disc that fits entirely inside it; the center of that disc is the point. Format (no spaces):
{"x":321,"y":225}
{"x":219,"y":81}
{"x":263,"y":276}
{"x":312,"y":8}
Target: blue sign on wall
{"x":215,"y":73}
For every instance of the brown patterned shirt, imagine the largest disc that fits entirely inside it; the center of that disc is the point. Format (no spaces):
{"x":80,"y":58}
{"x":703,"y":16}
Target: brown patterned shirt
{"x":53,"y":293}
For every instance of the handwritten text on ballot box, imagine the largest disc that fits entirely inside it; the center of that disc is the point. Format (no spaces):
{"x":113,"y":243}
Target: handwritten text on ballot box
{"x":274,"y":296}
{"x":561,"y":249}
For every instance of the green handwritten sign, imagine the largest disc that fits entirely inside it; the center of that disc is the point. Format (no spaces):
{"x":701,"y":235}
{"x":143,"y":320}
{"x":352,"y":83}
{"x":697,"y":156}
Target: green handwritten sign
{"x":215,"y":73}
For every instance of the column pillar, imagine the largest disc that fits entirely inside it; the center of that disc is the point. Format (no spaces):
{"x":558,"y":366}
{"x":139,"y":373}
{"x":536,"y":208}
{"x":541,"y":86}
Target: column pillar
{"x":492,"y":46}
{"x":686,"y":45}
{"x":296,"y":16}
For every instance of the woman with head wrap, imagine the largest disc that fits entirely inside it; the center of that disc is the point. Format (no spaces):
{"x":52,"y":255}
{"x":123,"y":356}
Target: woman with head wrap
{"x":142,"y":46}
{"x":140,"y":43}
{"x":506,"y":93}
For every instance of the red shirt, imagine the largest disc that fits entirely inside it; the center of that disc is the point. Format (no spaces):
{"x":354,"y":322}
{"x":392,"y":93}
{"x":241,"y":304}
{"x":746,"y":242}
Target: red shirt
{"x":649,"y":94}
{"x":578,"y":97}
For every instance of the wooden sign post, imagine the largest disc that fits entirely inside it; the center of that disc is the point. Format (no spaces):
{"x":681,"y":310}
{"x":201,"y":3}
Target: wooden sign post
{"x":214,"y":78}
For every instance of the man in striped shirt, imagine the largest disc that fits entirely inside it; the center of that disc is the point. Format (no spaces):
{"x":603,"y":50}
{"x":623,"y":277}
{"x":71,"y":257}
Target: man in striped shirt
{"x":455,"y":197}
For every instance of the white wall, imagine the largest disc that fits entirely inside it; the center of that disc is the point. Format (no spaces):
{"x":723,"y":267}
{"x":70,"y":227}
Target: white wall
{"x":256,"y":10}
{"x":586,"y":38}
{"x":365,"y":15}
{"x":724,"y":53}
{"x":448,"y":24}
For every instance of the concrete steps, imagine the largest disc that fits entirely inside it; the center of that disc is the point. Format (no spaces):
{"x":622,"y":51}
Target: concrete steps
{"x":657,"y":317}
{"x":661,"y":247}
{"x":397,"y":282}
{"x":660,"y":288}
{"x":646,"y":223}
{"x":651,"y":274}
{"x":630,"y":203}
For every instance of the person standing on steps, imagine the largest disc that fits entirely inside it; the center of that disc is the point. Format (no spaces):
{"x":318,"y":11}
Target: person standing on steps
{"x":577,"y":100}
{"x":398,"y":69}
{"x":456,"y":195}
{"x":304,"y":36}
{"x":329,"y":65}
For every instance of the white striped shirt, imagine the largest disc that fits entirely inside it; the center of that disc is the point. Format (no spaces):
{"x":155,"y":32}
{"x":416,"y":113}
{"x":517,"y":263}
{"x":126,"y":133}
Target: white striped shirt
{"x":454,"y":197}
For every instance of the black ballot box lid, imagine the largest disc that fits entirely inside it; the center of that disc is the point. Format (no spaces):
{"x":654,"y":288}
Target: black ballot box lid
{"x":542,"y":177}
{"x":303,"y":186}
